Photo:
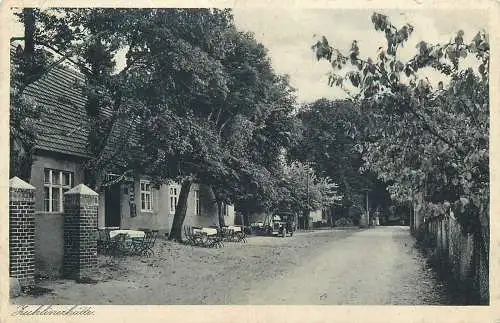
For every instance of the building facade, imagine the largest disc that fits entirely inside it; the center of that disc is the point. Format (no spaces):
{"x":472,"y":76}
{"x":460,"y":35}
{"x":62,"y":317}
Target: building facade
{"x":138,"y":204}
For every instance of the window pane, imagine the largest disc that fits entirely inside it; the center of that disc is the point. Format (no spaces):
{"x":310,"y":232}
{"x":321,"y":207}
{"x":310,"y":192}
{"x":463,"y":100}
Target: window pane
{"x":55,"y":178}
{"x":66,"y":179}
{"x":46,"y":199}
{"x":148,"y":202}
{"x":46,"y":206}
{"x":143,"y":202}
{"x":148,"y":187}
{"x":142,"y":186}
{"x":56,"y":198}
{"x":47,"y":176}
{"x":173,"y":202}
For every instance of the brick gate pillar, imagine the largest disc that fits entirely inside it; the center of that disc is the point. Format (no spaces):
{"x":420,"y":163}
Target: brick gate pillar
{"x":22,"y":231}
{"x":80,"y":232}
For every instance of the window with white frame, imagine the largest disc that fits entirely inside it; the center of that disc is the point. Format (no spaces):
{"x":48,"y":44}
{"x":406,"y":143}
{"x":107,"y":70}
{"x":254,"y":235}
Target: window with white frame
{"x":146,"y":196}
{"x":197,"y":202}
{"x":55,"y":184}
{"x":174,"y":196}
{"x":224,"y":209}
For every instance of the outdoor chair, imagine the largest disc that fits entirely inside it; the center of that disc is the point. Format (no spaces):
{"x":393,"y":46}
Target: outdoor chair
{"x":186,"y":236}
{"x":228,"y":234}
{"x":103,"y":241}
{"x":137,"y":246}
{"x":241,"y":236}
{"x":198,"y":238}
{"x":214,"y":241}
{"x":205,"y":240}
{"x":234,"y":236}
{"x":201,"y":239}
{"x":117,"y":245}
{"x":150,"y":242}
{"x":189,"y":236}
{"x":144,"y":246}
{"x":218,"y":239}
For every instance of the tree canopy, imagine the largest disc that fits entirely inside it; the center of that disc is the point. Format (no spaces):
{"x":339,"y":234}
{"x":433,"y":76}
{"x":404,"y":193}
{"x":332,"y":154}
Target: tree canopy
{"x":430,"y":144}
{"x":332,"y":134}
{"x":303,"y":190}
{"x":197,"y":100}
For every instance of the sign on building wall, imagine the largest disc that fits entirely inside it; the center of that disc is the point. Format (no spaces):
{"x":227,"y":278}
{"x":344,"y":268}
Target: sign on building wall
{"x":132,"y":204}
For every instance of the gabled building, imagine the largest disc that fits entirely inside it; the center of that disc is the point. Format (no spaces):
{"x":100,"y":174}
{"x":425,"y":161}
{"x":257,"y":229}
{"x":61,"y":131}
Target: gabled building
{"x":62,"y":150}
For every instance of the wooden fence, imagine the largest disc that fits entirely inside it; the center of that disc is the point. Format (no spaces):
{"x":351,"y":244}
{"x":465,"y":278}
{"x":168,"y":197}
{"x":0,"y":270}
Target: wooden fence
{"x":461,"y":257}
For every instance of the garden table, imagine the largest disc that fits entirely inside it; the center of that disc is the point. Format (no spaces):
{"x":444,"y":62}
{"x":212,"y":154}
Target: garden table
{"x":208,"y":231}
{"x":131,"y":234}
{"x":110,"y":228}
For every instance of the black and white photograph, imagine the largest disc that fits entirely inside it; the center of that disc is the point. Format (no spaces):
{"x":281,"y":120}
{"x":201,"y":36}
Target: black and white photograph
{"x":248,"y":156}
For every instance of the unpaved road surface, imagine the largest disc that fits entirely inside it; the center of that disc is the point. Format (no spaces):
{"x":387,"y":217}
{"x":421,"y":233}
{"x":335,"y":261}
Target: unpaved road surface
{"x":378,"y":266}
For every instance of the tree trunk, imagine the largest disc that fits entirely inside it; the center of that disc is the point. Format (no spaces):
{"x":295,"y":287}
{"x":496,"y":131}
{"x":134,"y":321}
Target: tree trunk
{"x":246,"y":218}
{"x":29,"y":32}
{"x":21,"y":154}
{"x":220,"y":214}
{"x":305,"y":219}
{"x":21,"y":160}
{"x":29,"y":66}
{"x":180,"y":212}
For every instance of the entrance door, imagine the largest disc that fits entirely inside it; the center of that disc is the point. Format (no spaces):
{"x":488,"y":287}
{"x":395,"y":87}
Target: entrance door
{"x":112,"y":209}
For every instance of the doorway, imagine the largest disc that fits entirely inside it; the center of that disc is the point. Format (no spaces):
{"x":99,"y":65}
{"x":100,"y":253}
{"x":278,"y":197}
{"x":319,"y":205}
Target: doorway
{"x":112,"y":216}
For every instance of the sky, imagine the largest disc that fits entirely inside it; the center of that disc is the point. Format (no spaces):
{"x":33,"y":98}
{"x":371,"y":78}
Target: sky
{"x":288,"y":34}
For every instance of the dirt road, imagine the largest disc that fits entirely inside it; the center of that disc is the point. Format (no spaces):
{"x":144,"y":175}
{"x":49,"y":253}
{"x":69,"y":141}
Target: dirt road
{"x":371,"y":267}
{"x":378,"y":266}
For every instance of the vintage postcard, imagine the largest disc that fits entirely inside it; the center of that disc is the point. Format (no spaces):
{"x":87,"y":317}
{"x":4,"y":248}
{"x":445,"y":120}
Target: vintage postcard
{"x":251,"y":161}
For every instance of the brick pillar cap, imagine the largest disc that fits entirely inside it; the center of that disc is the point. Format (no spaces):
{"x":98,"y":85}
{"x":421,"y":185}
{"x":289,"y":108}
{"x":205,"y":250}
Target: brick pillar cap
{"x":16,"y":182}
{"x":81,"y":189}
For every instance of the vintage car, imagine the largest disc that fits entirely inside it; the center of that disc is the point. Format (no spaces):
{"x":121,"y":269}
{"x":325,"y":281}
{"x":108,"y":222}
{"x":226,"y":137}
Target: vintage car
{"x":280,"y":223}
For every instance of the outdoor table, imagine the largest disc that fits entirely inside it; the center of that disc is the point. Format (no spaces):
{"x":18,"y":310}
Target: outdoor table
{"x":111,"y":228}
{"x":130,"y":233}
{"x":208,"y":231}
{"x":108,"y":229}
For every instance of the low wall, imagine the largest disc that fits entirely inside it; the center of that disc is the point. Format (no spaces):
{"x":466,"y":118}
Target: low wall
{"x":462,"y":257}
{"x":49,"y":243}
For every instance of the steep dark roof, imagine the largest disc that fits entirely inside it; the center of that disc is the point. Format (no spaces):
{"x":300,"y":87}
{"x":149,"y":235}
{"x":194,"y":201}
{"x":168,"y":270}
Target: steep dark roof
{"x":123,"y":132}
{"x":65,"y":121}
